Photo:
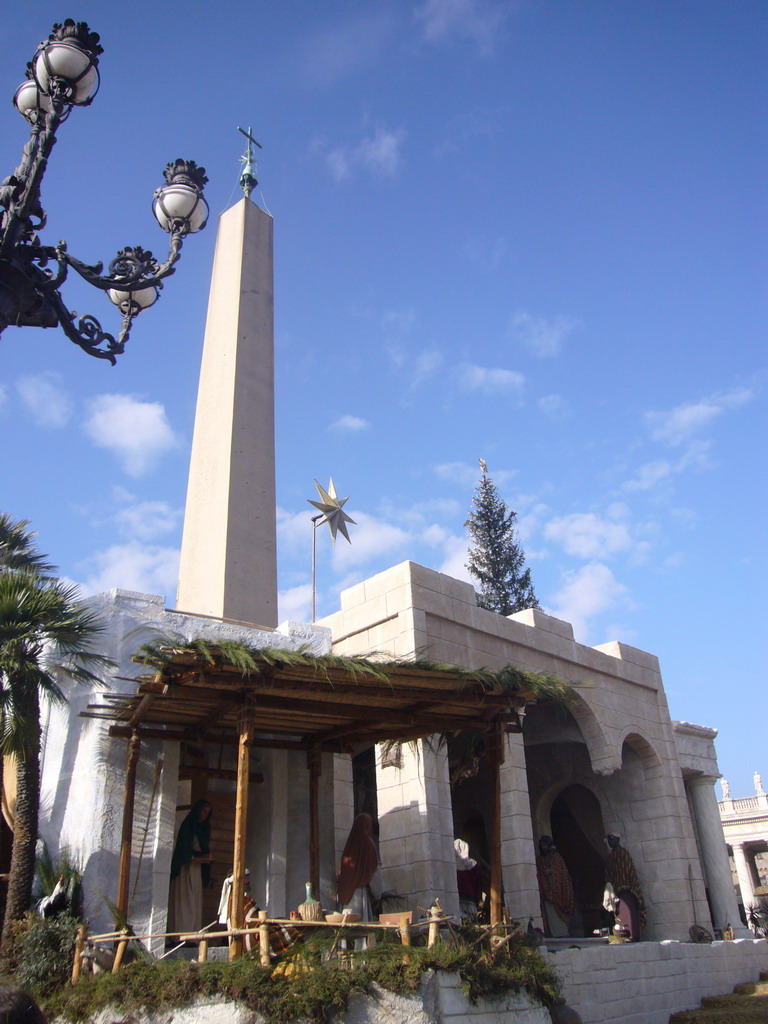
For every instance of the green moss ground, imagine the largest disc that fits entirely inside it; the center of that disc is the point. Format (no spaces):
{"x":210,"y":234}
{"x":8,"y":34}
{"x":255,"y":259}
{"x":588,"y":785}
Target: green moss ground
{"x":748,"y":1004}
{"x":306,"y":986}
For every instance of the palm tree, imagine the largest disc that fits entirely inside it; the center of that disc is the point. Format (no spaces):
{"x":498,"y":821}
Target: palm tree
{"x":17,"y":549}
{"x":45,"y":637}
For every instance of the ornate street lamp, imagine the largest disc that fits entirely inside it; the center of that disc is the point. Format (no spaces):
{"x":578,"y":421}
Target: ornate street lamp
{"x":64,"y":73}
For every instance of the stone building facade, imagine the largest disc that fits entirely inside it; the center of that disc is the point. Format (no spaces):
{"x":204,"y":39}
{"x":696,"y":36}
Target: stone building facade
{"x":745,"y":826}
{"x":611,"y":761}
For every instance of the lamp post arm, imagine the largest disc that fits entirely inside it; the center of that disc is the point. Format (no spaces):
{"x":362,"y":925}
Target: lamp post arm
{"x":133,"y":267}
{"x":88,"y":334}
{"x":20,"y":193}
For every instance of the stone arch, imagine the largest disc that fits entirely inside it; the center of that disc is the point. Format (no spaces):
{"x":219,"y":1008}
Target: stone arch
{"x":641,"y":746}
{"x":604,"y":756}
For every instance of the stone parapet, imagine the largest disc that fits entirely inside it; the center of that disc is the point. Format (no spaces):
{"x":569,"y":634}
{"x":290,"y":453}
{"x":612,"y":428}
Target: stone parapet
{"x":645,"y":982}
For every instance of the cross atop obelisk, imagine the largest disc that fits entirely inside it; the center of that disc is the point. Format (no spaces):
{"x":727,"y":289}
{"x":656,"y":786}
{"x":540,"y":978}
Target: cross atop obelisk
{"x":228,"y":565}
{"x":248,"y":179}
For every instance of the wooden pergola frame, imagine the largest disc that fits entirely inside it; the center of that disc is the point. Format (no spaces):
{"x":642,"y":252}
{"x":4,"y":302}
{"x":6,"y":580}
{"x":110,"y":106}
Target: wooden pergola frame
{"x":319,"y":705}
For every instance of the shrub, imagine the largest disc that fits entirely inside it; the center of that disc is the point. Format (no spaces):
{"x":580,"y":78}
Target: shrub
{"x":42,"y":952}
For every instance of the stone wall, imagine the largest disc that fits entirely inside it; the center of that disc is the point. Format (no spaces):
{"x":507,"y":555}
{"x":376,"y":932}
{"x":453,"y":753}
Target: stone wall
{"x":643,"y":983}
{"x":438,"y":1001}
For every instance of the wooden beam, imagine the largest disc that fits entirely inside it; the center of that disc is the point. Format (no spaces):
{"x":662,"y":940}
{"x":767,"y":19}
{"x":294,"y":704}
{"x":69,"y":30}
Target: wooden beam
{"x":124,"y":869}
{"x":193,"y":736}
{"x":241,"y":833}
{"x":144,"y":705}
{"x":314,"y":764}
{"x":187,"y":771}
{"x":495,"y":758}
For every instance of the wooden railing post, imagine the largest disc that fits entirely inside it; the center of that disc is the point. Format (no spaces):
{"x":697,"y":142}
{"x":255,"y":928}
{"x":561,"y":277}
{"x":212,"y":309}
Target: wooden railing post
{"x":120,"y":952}
{"x":126,"y":839}
{"x":435,"y":913}
{"x":77,"y":966}
{"x":263,"y":938}
{"x":241,"y":826}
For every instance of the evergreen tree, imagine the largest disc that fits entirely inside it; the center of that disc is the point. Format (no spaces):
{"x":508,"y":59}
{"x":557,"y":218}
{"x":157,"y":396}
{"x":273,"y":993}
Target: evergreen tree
{"x":496,"y":559}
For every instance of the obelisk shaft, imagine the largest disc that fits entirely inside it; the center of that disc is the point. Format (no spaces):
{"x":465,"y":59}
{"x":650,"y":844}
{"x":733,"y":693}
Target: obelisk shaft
{"x":228,"y":554}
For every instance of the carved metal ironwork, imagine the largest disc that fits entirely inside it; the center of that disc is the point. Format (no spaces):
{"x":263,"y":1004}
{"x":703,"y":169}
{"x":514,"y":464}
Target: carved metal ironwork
{"x":62,"y":74}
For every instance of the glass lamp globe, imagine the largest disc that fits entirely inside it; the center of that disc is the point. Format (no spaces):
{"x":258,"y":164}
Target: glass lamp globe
{"x":134,"y":301}
{"x":72,"y":64}
{"x":174,"y":203}
{"x":29,"y":100}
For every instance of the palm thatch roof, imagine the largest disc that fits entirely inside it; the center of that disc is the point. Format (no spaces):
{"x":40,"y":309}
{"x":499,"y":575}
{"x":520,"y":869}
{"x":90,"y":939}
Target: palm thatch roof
{"x":199,"y":691}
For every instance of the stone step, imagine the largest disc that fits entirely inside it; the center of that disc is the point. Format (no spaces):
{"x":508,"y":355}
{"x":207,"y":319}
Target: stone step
{"x":748,"y":1004}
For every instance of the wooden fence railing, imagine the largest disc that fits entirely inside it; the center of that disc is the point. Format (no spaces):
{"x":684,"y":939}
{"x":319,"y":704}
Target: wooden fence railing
{"x":122,"y":939}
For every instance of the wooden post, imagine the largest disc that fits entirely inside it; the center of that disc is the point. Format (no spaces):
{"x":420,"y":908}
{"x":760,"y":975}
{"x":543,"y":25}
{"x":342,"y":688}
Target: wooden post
{"x":241,"y":824}
{"x":120,"y":952}
{"x":202,"y":951}
{"x":315,"y":766}
{"x":77,"y":966}
{"x":496,"y":759}
{"x":435,"y":913}
{"x":263,"y":938}
{"x":405,"y":930}
{"x":124,"y":869}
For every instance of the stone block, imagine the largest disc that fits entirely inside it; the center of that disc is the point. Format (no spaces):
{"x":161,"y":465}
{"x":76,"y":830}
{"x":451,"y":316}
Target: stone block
{"x":392,"y":850}
{"x":352,"y":597}
{"x":538,"y":619}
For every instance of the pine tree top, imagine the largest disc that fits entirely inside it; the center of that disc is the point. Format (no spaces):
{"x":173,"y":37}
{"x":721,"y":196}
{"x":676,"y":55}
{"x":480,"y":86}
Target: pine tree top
{"x":496,"y":559}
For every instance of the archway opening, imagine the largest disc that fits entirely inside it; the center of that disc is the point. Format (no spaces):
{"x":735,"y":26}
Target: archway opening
{"x":576,"y":822}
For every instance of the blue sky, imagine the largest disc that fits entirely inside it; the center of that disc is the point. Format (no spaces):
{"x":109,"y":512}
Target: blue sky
{"x":532,"y":232}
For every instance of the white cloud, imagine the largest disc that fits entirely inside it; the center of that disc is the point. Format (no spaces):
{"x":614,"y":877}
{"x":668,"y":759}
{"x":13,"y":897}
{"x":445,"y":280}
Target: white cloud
{"x":351,"y":424}
{"x":554,"y":406}
{"x":147,"y":568}
{"x":295,"y":604}
{"x":484,"y":378}
{"x":454,"y":563}
{"x":529,"y":522}
{"x":696,"y":455}
{"x":136,"y":432}
{"x":678,"y":425}
{"x":146,"y":520}
{"x":544,"y":337}
{"x":294,"y":531}
{"x":47,"y":402}
{"x":371,"y":538}
{"x":424,"y":365}
{"x":461,"y":473}
{"x":338,"y":163}
{"x":589,"y":535}
{"x":586,"y":593}
{"x":345,"y":48}
{"x":649,"y":475}
{"x":487,"y":253}
{"x":379,"y":152}
{"x":397,"y":324}
{"x":467,"y":475}
{"x":476,"y":20}
{"x":3,"y":395}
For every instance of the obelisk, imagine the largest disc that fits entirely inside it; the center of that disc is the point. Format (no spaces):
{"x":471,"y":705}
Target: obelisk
{"x":228,"y":565}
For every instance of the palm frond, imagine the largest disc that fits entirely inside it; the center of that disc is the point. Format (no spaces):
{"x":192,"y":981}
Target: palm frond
{"x":46,"y":637}
{"x":17,"y":549}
